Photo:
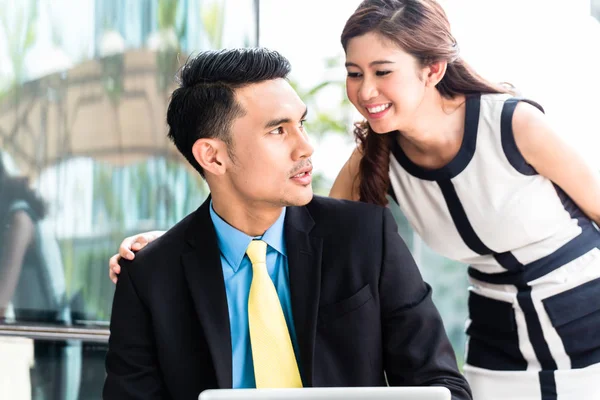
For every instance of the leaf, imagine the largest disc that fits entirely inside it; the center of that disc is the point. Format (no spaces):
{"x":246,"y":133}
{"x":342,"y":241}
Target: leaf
{"x":316,"y":89}
{"x":167,"y":13}
{"x":29,"y":37}
{"x":333,"y":62}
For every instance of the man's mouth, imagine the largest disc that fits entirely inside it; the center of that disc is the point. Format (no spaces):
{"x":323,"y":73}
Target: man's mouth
{"x":302,"y":174}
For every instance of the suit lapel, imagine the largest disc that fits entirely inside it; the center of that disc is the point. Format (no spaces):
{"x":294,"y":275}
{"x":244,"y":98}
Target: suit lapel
{"x":304,"y":263}
{"x":204,"y":274}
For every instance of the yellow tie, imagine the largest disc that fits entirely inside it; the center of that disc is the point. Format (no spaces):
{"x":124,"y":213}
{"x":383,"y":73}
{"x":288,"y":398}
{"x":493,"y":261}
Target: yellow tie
{"x":275,"y":364}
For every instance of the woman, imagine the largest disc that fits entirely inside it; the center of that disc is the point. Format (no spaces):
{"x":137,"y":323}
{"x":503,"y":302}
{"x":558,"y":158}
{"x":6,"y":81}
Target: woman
{"x":32,"y":282}
{"x":484,"y":180}
{"x":20,"y":257}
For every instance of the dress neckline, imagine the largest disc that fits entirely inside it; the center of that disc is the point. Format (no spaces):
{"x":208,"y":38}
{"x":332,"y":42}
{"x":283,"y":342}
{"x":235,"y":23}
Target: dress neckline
{"x":460,"y":160}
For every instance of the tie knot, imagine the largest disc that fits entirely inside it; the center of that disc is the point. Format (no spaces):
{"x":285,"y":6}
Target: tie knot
{"x":257,"y":252}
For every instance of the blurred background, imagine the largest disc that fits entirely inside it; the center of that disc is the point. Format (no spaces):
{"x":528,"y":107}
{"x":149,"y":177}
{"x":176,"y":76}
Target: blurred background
{"x":84,"y":86}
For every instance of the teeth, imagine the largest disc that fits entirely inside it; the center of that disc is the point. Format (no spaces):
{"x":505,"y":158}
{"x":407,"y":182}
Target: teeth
{"x":378,"y":109}
{"x":300,"y":175}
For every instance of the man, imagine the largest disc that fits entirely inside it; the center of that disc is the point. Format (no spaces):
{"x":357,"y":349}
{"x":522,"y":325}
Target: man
{"x":264,"y":285}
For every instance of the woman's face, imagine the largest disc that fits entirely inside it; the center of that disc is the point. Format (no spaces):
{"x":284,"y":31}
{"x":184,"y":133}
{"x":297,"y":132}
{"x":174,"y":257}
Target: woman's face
{"x":385,"y":83}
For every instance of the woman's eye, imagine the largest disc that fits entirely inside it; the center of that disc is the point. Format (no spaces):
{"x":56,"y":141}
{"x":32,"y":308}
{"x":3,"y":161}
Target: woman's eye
{"x":353,"y":74}
{"x":382,"y":73}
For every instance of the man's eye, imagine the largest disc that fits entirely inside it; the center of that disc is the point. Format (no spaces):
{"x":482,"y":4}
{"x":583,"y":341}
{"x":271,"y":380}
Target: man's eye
{"x":277,"y":131}
{"x":353,"y":74}
{"x":382,"y":73}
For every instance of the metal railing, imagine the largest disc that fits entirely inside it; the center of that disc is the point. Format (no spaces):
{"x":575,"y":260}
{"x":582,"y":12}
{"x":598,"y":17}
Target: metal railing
{"x":47,"y":332}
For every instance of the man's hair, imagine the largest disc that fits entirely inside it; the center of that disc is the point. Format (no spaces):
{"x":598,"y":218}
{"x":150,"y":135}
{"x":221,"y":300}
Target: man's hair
{"x":204,"y":105}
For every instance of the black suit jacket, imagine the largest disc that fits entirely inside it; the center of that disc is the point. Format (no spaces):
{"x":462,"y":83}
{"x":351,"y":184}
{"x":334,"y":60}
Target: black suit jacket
{"x":361,"y":309}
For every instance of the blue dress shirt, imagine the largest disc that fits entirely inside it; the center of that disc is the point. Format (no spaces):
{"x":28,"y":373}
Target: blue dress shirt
{"x":237,"y":271}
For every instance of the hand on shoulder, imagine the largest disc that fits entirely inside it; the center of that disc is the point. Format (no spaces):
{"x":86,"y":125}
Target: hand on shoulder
{"x":127,"y":250}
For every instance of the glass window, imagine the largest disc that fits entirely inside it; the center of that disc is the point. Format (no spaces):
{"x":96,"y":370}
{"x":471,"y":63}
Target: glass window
{"x":51,"y":369}
{"x":83,"y":147}
{"x":84,"y":162}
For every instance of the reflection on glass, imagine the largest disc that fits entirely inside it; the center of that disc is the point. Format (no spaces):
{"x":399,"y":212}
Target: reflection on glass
{"x":32,"y":281}
{"x":84,"y":86}
{"x":32,"y":289}
{"x":51,"y":370}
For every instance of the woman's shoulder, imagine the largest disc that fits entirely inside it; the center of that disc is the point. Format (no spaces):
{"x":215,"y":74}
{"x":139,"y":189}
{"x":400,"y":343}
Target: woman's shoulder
{"x":501,"y":99}
{"x":20,"y":205}
{"x":495,"y":98}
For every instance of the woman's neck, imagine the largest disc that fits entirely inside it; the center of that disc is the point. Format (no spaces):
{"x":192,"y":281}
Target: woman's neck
{"x":436,"y":135}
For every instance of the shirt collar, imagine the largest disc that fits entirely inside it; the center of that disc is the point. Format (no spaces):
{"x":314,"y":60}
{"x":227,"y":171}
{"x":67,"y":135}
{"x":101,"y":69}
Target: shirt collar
{"x":233,"y":242}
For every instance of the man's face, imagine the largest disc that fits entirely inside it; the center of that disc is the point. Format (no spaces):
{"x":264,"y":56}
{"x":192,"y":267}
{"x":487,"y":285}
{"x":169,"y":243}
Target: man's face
{"x":271,"y":163}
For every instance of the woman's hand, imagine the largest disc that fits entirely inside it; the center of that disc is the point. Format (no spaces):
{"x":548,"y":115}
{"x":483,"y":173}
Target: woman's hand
{"x":127,"y":250}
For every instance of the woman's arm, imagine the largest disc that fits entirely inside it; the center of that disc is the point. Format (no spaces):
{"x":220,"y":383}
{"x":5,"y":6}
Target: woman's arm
{"x":16,"y":240}
{"x":347,"y":182}
{"x":553,"y":158}
{"x":344,"y":187}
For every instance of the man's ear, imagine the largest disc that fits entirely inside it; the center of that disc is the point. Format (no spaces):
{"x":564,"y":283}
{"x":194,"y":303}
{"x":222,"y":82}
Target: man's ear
{"x":435,"y":72}
{"x":212,"y":155}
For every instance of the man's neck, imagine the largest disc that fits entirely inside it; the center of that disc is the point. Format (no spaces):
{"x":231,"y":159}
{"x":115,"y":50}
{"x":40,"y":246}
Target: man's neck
{"x":252,"y":220}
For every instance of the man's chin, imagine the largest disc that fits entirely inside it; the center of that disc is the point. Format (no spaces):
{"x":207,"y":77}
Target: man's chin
{"x":301,"y":199}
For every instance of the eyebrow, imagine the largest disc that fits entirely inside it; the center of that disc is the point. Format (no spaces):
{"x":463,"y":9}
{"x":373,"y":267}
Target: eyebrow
{"x":279,"y":121}
{"x":371,"y":64}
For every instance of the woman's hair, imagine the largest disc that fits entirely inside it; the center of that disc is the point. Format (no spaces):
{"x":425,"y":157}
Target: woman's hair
{"x":420,"y":28}
{"x":17,"y":188}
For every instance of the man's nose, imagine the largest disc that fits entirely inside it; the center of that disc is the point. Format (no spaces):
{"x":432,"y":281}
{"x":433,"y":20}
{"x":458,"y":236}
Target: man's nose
{"x":303,"y":148}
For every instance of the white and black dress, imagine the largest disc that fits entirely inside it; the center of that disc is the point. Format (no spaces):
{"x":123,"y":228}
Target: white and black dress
{"x":533,"y":256}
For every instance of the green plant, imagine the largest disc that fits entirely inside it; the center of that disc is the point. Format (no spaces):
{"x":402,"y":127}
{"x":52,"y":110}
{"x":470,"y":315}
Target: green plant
{"x":171,"y":34}
{"x":324,"y":122}
{"x":213,"y":17}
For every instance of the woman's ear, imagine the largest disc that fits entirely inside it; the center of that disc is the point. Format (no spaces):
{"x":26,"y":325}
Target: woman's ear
{"x":212,"y":155}
{"x":435,"y":73}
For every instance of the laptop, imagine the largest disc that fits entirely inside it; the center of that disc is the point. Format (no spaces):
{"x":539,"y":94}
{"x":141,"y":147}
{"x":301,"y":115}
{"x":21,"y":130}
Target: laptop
{"x":333,"y":393}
